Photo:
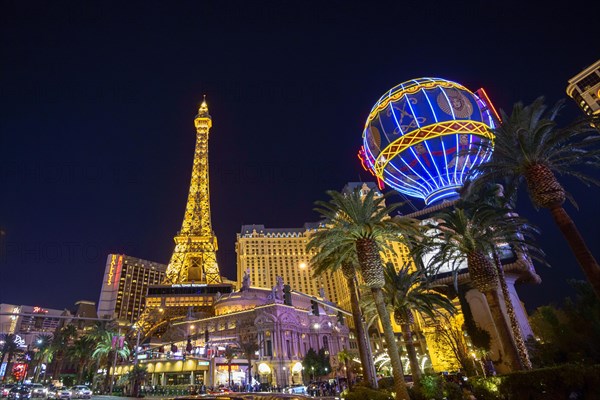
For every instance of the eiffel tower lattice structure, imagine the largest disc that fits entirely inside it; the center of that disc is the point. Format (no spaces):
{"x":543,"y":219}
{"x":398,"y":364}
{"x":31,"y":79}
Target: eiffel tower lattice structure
{"x":193,"y":279}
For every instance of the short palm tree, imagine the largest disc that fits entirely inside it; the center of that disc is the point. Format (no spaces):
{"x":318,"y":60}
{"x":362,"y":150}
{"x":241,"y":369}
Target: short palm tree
{"x":136,"y":376}
{"x":345,"y":358}
{"x":408,"y":292}
{"x":344,"y":256}
{"x":473,"y":234}
{"x":363,"y":220}
{"x":531,"y":148}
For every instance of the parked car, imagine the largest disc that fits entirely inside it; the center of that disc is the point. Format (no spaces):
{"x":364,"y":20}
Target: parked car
{"x":81,"y":392}
{"x":19,"y":393}
{"x":5,"y":389}
{"x":38,"y":390}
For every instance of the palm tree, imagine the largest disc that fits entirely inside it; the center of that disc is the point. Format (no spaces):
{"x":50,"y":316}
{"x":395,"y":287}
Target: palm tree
{"x":363,"y":221}
{"x":472,"y":234}
{"x":95,"y":335}
{"x":9,"y":347}
{"x":43,"y":344}
{"x":81,"y":352}
{"x":344,"y":257}
{"x":105,"y":352}
{"x":248,"y":347}
{"x":406,"y":293}
{"x":531,"y":148}
{"x":63,"y":338}
{"x":136,"y":375}
{"x":345,"y":357}
{"x":230,"y":354}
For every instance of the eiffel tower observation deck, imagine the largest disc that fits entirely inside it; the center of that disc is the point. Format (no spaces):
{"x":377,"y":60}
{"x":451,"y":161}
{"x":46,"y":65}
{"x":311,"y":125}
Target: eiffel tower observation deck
{"x":193,"y":279}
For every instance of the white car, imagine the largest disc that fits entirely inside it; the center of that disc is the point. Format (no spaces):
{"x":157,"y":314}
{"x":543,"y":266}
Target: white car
{"x":81,"y":392}
{"x":38,"y":390}
{"x":59,"y":393}
{"x":296,"y":389}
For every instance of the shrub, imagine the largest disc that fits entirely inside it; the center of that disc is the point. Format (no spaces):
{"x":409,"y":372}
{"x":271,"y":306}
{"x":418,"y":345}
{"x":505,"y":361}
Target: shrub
{"x":363,"y":393}
{"x":486,"y":388}
{"x":429,"y":387}
{"x":554,"y":382}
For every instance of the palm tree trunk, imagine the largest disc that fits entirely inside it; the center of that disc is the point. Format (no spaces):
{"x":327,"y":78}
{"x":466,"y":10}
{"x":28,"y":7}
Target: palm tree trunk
{"x":390,"y":339}
{"x":229,"y":371}
{"x":506,"y":339}
{"x":582,"y":253}
{"x":411,"y":352}
{"x":348,"y":373}
{"x":364,"y":350}
{"x":516,"y":328}
{"x":9,"y":364}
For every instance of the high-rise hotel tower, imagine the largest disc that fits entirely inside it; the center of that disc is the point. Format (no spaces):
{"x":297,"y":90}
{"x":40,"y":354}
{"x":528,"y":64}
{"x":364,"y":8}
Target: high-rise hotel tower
{"x":124,"y":286}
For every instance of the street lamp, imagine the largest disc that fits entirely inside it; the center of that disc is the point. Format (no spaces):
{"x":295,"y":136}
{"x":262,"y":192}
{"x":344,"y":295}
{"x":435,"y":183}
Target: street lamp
{"x":286,"y":376}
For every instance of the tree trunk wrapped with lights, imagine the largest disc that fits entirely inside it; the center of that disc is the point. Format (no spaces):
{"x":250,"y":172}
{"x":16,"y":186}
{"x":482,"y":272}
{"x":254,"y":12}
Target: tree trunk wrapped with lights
{"x":371,"y":267}
{"x":364,"y":350}
{"x":482,"y":273}
{"x":405,"y":319}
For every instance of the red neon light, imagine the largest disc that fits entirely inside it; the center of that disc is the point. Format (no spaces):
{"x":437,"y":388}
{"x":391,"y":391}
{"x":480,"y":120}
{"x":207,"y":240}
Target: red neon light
{"x":364,"y":161}
{"x":118,"y":274}
{"x":39,"y":310}
{"x":486,"y":100}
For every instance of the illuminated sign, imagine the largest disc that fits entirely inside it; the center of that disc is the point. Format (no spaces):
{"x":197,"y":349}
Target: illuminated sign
{"x":188,"y":285}
{"x":119,"y":266}
{"x":225,"y":367}
{"x":203,"y":363}
{"x":19,"y":341}
{"x":111,"y":270}
{"x":39,"y":310}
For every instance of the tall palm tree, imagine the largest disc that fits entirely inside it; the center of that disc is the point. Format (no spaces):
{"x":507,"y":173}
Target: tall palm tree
{"x":105,"y":352}
{"x":493,"y":196}
{"x":531,"y":148}
{"x":363,"y":220}
{"x":63,"y":338}
{"x":9,"y":348}
{"x":472,"y":234}
{"x":248,"y":347}
{"x":230,"y":353}
{"x":81,"y":352}
{"x":43,"y":344}
{"x":408,"y":292}
{"x":344,"y":256}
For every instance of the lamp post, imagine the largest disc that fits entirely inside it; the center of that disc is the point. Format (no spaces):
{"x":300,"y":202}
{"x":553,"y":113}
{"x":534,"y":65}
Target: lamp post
{"x":286,"y":376}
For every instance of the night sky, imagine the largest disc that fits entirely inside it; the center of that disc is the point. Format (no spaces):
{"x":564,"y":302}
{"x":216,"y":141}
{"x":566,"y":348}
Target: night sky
{"x":98,"y":101}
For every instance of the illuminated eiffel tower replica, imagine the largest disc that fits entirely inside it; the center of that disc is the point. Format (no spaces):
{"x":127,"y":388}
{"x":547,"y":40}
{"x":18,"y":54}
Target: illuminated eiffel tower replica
{"x":193,"y":280}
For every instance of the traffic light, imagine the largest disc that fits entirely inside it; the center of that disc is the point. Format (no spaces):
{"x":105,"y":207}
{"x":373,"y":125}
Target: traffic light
{"x":206,"y":336}
{"x":340,"y":318}
{"x":314,"y":307}
{"x":287,"y":295}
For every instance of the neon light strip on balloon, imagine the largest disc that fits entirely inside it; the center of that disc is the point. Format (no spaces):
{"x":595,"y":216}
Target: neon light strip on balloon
{"x":429,"y":132}
{"x":419,"y":84}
